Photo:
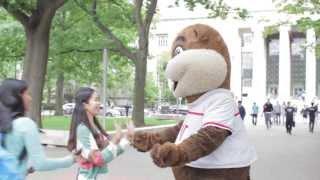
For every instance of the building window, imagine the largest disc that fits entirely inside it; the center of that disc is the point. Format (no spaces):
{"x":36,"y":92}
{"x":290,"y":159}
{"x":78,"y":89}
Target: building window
{"x":246,"y":39}
{"x":246,"y":36}
{"x":272,"y":65}
{"x":162,"y":40}
{"x":297,"y":48}
{"x":247,"y":64}
{"x":273,"y":47}
{"x":298,"y":64}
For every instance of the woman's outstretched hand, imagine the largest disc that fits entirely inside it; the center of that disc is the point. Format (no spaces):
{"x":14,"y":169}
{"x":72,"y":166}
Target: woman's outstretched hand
{"x":118,"y":135}
{"x":130,"y":131}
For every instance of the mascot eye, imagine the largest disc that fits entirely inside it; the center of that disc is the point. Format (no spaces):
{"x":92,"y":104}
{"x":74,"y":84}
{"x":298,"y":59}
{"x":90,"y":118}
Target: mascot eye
{"x":178,"y":50}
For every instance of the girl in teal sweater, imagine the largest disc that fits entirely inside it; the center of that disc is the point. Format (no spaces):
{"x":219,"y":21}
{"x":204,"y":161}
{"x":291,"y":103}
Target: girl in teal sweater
{"x":21,"y":134}
{"x":86,"y":134}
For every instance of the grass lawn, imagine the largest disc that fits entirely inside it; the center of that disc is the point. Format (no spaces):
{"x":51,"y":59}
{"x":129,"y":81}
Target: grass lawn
{"x":63,"y":122}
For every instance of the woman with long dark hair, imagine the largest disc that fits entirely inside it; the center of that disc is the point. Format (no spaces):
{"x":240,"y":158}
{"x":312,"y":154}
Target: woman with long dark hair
{"x":21,"y":134}
{"x":8,"y":163}
{"x":97,"y":148}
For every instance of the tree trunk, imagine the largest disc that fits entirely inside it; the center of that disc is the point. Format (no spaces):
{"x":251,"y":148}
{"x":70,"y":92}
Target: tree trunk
{"x":59,"y":94}
{"x":49,"y":89}
{"x":35,"y":64}
{"x":139,"y":84}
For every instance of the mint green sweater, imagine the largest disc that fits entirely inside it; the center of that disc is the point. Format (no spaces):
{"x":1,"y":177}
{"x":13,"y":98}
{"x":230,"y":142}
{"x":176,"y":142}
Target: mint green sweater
{"x":25,"y":134}
{"x":86,"y":143}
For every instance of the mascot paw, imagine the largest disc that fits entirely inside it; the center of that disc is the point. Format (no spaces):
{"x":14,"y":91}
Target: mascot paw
{"x":165,"y":155}
{"x":140,"y":142}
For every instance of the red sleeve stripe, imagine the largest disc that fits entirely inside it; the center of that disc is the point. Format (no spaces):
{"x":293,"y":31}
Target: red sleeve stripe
{"x":195,"y":113}
{"x":214,"y":124}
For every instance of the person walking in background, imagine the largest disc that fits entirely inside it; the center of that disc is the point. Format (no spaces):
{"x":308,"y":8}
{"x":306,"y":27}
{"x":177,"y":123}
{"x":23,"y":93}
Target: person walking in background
{"x":277,"y":113}
{"x":290,"y":110}
{"x":254,"y":113}
{"x":304,"y":112}
{"x":242,"y":110}
{"x":283,"y":113}
{"x":127,"y":107}
{"x":312,"y":110}
{"x":267,"y":111}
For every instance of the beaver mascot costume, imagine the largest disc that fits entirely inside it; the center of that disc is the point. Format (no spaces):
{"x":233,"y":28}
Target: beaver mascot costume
{"x":211,"y":143}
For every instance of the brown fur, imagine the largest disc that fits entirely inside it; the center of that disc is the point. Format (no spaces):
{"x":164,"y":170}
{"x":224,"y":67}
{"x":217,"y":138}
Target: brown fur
{"x":167,"y":154}
{"x":189,"y":173}
{"x":144,"y":141}
{"x":193,"y":148}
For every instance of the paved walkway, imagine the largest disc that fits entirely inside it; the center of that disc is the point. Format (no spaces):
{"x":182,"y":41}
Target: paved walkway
{"x":281,"y":157}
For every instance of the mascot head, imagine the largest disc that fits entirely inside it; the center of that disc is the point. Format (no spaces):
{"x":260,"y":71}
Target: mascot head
{"x":200,"y":61}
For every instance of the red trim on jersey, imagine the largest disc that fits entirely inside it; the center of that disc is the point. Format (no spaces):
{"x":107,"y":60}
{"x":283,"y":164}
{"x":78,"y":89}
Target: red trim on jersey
{"x":195,"y":113}
{"x":216,"y":125}
{"x":183,"y":129}
{"x":201,"y":114}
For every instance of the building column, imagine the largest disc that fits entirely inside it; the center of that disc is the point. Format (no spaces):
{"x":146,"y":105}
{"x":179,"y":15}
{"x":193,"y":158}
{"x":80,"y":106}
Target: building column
{"x":259,"y":78}
{"x":284,"y":64}
{"x":235,"y":59}
{"x":311,"y":65}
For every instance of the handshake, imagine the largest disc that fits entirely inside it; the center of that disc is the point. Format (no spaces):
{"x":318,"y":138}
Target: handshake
{"x":116,"y":138}
{"x":88,"y":158}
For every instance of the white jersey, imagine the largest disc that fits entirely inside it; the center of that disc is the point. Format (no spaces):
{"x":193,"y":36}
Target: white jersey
{"x":217,"y":108}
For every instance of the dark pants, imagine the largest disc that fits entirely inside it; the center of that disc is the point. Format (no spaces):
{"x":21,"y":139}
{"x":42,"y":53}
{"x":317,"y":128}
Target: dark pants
{"x":311,"y":125}
{"x":254,"y":119}
{"x":267,"y":116}
{"x":289,"y":125}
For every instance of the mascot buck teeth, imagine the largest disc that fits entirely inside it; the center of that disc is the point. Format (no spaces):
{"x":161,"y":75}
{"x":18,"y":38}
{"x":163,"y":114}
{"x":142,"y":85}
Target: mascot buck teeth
{"x":211,"y":143}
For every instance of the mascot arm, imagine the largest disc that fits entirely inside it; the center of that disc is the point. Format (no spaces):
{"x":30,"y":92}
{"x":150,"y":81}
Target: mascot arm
{"x":196,"y":146}
{"x":144,"y":141}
